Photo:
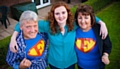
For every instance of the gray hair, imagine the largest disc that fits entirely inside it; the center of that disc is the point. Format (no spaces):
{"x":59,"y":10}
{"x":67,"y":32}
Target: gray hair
{"x":28,"y":16}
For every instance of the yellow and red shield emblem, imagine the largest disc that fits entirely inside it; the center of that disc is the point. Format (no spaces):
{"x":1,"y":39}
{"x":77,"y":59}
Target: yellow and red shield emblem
{"x":85,"y":44}
{"x":37,"y":49}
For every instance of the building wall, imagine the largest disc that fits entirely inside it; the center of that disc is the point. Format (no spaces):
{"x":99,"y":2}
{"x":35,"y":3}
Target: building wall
{"x":12,"y":2}
{"x":9,"y":3}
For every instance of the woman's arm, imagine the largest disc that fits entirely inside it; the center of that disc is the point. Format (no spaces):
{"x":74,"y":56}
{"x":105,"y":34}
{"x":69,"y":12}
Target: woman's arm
{"x":103,"y":28}
{"x":13,"y":44}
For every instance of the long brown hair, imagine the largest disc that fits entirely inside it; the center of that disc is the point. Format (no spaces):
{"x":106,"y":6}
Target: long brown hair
{"x":53,"y":22}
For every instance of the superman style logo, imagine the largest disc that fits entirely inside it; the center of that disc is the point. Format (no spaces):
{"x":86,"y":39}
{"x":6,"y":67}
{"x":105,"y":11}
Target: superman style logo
{"x":37,"y":49}
{"x":85,"y":44}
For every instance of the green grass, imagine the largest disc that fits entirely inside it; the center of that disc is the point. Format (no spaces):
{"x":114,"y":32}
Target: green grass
{"x":3,"y":48}
{"x":111,"y":16}
{"x":3,"y":51}
{"x":4,"y":41}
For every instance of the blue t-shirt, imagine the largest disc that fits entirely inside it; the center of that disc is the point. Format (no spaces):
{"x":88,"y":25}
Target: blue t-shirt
{"x":34,"y":47}
{"x":87,"y":49}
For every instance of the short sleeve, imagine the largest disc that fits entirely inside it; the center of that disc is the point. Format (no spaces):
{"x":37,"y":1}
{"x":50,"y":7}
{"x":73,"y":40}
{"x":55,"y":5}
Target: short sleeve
{"x":17,"y":27}
{"x":43,"y":26}
{"x":97,"y":19}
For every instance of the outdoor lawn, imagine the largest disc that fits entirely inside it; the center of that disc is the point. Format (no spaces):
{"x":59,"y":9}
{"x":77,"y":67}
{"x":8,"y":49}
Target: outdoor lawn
{"x":111,"y":16}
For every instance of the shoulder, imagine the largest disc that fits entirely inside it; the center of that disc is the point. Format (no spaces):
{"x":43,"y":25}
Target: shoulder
{"x":96,"y":26}
{"x":44,"y":35}
{"x":43,"y":24}
{"x":20,"y":35}
{"x":43,"y":21}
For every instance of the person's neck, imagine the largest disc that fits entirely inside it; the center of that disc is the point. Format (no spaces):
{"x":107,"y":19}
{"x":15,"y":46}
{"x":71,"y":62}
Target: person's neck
{"x":62,"y":25}
{"x":86,"y":30}
{"x":62,"y":28}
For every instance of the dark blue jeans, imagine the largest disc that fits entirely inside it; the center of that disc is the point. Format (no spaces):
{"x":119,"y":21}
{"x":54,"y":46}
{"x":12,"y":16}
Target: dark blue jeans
{"x":70,"y":67}
{"x":82,"y":68}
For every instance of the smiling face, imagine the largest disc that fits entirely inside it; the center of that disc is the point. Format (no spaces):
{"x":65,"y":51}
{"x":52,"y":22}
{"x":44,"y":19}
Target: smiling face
{"x":29,"y":28}
{"x":84,"y":21}
{"x":84,"y":17}
{"x":61,"y":15}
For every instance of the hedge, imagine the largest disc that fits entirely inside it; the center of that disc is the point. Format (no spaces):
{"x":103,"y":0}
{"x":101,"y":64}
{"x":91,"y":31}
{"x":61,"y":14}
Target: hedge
{"x":96,"y":4}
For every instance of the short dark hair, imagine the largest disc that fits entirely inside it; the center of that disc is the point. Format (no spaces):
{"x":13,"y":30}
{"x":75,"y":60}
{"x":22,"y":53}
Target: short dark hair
{"x":85,"y":10}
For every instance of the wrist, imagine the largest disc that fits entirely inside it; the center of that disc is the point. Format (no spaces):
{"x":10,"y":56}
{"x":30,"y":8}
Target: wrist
{"x":105,"y":54}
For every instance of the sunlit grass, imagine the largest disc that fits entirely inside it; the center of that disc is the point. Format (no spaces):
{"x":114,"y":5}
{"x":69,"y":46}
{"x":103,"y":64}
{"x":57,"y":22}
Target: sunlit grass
{"x":111,"y":16}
